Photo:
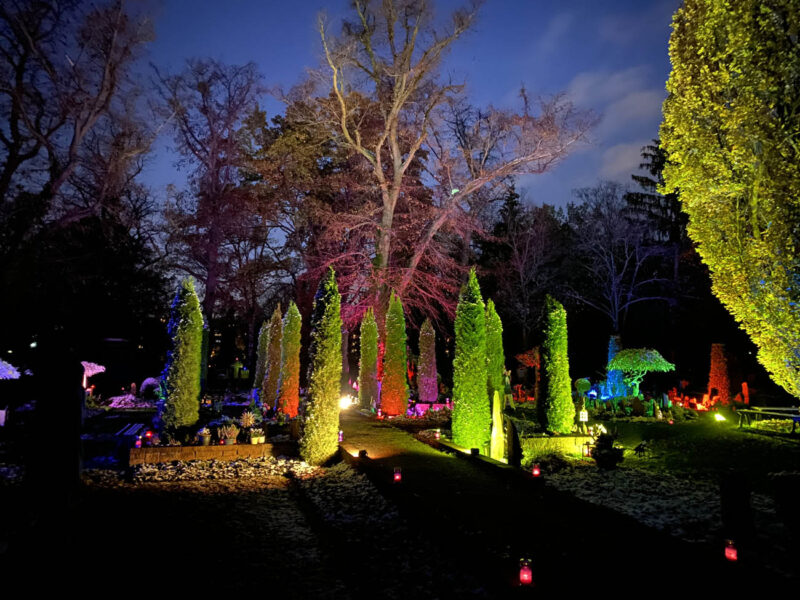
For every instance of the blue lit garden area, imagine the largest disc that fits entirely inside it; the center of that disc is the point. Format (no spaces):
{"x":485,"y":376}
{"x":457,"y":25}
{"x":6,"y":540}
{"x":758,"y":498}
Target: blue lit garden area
{"x":400,"y":299}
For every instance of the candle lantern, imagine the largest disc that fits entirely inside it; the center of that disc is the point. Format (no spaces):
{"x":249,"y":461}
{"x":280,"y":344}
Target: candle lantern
{"x":536,"y":471}
{"x":583,"y":416}
{"x":398,"y":475}
{"x":138,"y":443}
{"x":731,"y":553}
{"x":437,"y":434}
{"x":587,"y":449}
{"x":341,"y":435}
{"x":525,"y":572}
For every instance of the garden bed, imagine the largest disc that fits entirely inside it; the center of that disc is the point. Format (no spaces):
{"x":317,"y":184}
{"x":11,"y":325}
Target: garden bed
{"x":165,"y":454}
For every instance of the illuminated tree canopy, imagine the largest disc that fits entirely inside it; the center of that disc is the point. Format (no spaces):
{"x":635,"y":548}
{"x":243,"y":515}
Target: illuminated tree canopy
{"x":635,"y":363}
{"x":731,"y":135}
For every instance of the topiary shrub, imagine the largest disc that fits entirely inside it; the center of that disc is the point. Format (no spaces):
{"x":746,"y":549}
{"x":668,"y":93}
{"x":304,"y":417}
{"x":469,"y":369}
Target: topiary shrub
{"x":289,"y":394}
{"x":181,"y":374}
{"x":557,"y":409}
{"x":321,"y":424}
{"x":394,"y":387}
{"x":272,"y":368}
{"x":427,"y":385}
{"x":472,"y":417}
{"x":635,"y":363}
{"x":368,"y":361}
{"x":605,"y":454}
{"x":495,"y":357}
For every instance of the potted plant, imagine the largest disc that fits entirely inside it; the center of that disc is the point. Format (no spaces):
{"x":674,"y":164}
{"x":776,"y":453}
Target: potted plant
{"x":228,"y":433}
{"x":204,"y":436}
{"x":257,"y":436}
{"x":604,"y":453}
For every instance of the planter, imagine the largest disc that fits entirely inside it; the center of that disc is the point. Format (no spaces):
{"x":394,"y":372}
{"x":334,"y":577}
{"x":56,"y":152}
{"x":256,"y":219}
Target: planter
{"x":229,"y":441}
{"x":204,"y":439}
{"x":259,"y":439}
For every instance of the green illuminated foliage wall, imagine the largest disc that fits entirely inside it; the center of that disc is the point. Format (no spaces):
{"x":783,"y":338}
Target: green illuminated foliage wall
{"x":272,"y":368}
{"x":427,"y":381}
{"x":289,"y":394}
{"x":472,"y":416}
{"x":558,"y":410}
{"x":394,"y":387}
{"x":321,"y":424}
{"x":182,"y":372}
{"x":730,"y":132}
{"x":368,"y":362}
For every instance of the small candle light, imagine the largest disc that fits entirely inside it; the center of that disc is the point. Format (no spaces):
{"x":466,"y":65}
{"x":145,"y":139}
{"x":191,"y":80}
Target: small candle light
{"x":731,"y":553}
{"x":584,"y":416}
{"x":525,"y":572}
{"x":148,"y":434}
{"x":380,"y":413}
{"x":398,"y":475}
{"x":437,"y":434}
{"x":536,"y":471}
{"x":341,"y":435}
{"x":587,"y":449}
{"x":138,"y":443}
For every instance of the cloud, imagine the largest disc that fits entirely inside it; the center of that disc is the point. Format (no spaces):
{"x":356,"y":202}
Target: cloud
{"x":634,"y":110}
{"x":621,"y":160}
{"x":595,"y":88}
{"x":557,"y":29}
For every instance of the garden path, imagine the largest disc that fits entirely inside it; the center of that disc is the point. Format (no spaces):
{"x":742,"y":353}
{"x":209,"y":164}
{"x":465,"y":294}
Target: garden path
{"x":494,"y":517}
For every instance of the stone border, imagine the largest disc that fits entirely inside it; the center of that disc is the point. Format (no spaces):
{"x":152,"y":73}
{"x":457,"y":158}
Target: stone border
{"x":165,"y":454}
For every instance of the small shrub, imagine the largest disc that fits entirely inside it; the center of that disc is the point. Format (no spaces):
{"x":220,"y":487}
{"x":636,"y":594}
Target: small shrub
{"x":605,"y":454}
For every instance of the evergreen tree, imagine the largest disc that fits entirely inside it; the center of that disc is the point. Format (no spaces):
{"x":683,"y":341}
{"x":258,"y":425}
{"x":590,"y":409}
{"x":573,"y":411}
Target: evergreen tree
{"x":427,"y":382}
{"x":272,"y":368}
{"x":495,"y":358}
{"x":289,"y":398}
{"x":368,"y":361}
{"x":730,"y":135}
{"x":320,"y":439}
{"x":558,"y":410}
{"x":182,"y":371}
{"x":261,"y":356}
{"x":718,"y":374}
{"x":471,"y":408}
{"x":394,"y":388}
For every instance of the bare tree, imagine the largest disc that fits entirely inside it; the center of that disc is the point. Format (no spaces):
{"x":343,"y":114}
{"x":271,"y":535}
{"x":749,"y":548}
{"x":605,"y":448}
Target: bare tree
{"x":617,"y":263}
{"x":64,"y":75}
{"x":387,"y":105}
{"x":208,"y":103}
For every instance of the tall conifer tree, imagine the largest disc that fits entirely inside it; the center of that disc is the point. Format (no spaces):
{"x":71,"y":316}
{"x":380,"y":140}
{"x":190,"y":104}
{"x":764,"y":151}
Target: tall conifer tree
{"x":472,"y":415}
{"x":558,"y":409}
{"x":261,"y":356}
{"x":182,"y":371}
{"x":289,"y":395}
{"x":368,"y":361}
{"x":427,"y":384}
{"x":394,"y":387}
{"x":272,"y":369}
{"x":321,"y":423}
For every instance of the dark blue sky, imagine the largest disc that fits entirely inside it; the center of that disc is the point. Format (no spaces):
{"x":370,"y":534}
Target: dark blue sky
{"x":608,"y":55}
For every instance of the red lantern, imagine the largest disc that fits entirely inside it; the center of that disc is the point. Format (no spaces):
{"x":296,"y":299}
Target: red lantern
{"x":437,"y":434}
{"x":525,"y":573}
{"x":148,"y":434}
{"x":536,"y":471}
{"x":398,"y":475}
{"x":341,"y":435}
{"x":730,"y":551}
{"x":138,"y":443}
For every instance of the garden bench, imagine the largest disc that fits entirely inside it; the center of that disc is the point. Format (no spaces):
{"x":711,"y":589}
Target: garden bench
{"x":793,"y":413}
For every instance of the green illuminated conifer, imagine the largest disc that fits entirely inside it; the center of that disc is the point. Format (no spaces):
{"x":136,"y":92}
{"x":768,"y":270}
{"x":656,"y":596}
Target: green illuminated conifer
{"x":472,"y":415}
{"x":261,"y":356}
{"x":272,"y":368}
{"x":321,"y":424}
{"x":182,"y":372}
{"x":558,"y":410}
{"x":427,"y":381}
{"x":394,"y":387}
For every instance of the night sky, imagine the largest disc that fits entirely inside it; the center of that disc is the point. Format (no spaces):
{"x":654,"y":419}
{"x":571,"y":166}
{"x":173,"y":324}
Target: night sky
{"x":609,"y":56}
